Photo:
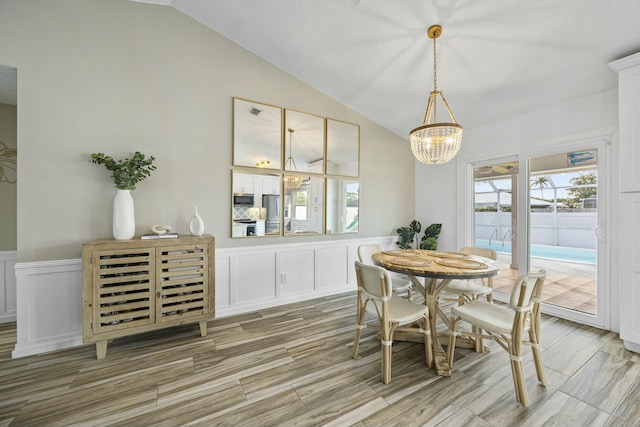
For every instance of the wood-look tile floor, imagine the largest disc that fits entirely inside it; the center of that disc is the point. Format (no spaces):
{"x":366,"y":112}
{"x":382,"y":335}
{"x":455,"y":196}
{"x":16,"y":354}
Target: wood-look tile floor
{"x":292,"y":366}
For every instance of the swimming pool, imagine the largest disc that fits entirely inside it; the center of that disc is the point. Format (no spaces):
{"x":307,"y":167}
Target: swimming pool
{"x":585,"y":256}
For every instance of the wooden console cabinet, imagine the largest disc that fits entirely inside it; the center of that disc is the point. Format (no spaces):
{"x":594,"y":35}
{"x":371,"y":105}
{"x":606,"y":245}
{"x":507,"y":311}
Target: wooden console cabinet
{"x":138,"y":285}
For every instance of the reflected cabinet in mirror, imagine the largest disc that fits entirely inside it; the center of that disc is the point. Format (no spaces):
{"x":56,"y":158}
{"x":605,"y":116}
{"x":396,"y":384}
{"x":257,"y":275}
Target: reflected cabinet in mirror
{"x":343,"y":199}
{"x":343,"y":147}
{"x":304,"y":142}
{"x":256,"y":205}
{"x":304,"y":206}
{"x":257,"y":134}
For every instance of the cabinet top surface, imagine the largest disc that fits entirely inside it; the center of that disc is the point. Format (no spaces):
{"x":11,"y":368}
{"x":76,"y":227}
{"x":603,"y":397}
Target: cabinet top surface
{"x":137,"y":241}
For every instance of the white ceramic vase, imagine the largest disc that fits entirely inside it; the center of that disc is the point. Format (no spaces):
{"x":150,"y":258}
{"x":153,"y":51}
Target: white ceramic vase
{"x":196,"y":226}
{"x":124,"y":219}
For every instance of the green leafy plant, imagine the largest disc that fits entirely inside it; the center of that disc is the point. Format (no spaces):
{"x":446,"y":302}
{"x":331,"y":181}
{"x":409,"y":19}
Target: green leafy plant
{"x":128,"y":172}
{"x":429,"y":241}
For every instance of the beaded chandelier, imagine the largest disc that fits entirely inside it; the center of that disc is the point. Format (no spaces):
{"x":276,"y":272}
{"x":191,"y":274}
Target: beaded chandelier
{"x":435,"y":143}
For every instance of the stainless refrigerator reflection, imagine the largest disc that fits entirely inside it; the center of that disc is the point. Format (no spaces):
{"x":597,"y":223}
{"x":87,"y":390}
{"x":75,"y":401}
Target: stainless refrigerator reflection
{"x":271,"y":202}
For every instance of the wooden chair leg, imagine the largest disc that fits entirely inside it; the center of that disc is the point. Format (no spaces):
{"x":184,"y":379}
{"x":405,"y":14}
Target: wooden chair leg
{"x":519,"y":381}
{"x":452,"y":341}
{"x":428,"y":346}
{"x":359,"y":327}
{"x":386,"y":360}
{"x":537,"y":357}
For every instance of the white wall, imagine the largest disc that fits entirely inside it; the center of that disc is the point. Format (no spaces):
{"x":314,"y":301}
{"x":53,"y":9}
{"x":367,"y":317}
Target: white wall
{"x":115,"y":76}
{"x":438,"y":188}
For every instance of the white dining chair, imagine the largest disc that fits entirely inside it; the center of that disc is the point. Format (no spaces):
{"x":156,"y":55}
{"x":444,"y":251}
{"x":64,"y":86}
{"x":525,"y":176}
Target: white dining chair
{"x":506,"y":325}
{"x":401,"y":284}
{"x":469,"y":290}
{"x":391,"y":313}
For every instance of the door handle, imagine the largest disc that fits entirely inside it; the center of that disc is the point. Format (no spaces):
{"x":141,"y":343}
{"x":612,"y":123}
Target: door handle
{"x":601,"y":233}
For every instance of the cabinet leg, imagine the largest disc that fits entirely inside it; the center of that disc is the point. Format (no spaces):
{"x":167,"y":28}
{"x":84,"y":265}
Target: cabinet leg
{"x":101,"y":349}
{"x":203,"y":328}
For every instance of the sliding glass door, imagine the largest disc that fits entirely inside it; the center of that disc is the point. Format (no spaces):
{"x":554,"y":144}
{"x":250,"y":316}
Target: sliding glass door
{"x":548,"y":211}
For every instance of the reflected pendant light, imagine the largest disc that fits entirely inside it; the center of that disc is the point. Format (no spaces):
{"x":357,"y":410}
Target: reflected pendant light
{"x":435,"y":143}
{"x":291,"y":180}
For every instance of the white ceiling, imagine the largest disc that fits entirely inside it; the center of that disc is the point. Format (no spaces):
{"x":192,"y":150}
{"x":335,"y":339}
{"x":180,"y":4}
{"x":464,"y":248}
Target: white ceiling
{"x":496,"y":58}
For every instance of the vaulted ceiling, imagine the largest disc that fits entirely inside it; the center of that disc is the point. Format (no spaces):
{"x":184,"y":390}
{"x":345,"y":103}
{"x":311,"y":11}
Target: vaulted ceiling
{"x":496,"y":58}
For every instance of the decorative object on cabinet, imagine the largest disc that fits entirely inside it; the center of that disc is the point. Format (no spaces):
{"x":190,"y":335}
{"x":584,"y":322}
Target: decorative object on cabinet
{"x":126,"y":174}
{"x":124,"y":218}
{"x":291,"y":180}
{"x":196,"y":226}
{"x":8,"y":164}
{"x":435,"y":143}
{"x":143,"y":285}
{"x":160,"y":229}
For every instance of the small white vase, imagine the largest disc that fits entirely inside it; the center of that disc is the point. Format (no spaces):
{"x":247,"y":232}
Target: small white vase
{"x":196,"y":226}
{"x":124,"y":219}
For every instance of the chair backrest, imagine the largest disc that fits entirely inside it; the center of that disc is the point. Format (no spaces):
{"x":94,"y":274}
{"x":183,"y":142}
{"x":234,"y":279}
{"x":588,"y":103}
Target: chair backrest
{"x":527,"y":290}
{"x":374,"y":281}
{"x":365,"y":252}
{"x":483,"y":252}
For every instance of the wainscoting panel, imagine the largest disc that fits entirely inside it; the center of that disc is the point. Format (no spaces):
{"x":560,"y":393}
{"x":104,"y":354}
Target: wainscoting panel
{"x":49,"y":293}
{"x":296,"y":275}
{"x":49,"y":309}
{"x":7,"y":286}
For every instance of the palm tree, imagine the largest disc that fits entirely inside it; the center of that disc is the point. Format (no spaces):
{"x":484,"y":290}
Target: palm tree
{"x":540,"y":182}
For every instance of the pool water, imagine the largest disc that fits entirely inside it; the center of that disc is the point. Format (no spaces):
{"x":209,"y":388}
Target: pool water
{"x":564,"y":253}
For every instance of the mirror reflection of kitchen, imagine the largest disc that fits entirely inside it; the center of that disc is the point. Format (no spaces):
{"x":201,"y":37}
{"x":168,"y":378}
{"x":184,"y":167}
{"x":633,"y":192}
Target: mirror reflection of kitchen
{"x":256,"y":205}
{"x":303,"y":204}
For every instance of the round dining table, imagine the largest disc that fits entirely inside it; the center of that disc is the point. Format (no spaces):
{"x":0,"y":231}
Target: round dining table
{"x":438,"y":269}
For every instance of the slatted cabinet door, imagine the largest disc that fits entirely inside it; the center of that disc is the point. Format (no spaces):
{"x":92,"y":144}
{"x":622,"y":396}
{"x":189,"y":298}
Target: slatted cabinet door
{"x":183,"y":277}
{"x":124,"y":281}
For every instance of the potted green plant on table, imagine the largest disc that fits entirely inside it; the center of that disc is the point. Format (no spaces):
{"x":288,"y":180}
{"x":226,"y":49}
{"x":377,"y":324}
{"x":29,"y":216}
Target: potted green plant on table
{"x":407,"y":234}
{"x":126,"y":174}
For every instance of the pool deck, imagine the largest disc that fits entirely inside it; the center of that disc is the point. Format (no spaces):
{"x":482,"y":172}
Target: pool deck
{"x":568,"y":285}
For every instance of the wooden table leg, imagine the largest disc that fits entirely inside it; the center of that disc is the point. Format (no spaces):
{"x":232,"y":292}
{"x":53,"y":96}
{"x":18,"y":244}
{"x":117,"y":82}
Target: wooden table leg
{"x":439,"y":355}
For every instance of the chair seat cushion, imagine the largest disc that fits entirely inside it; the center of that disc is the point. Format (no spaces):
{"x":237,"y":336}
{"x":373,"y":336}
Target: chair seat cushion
{"x":400,"y":310}
{"x":468,"y":287}
{"x":490,"y":317}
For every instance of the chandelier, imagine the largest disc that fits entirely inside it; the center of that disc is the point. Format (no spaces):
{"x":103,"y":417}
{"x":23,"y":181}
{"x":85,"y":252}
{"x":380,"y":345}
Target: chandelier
{"x":291,"y":180}
{"x":435,"y":143}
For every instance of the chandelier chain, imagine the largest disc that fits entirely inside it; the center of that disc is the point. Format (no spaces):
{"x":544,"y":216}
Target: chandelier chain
{"x":435,"y":67}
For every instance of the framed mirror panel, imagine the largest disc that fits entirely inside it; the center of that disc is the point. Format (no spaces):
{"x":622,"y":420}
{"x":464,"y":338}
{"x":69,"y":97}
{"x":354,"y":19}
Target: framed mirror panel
{"x":343,"y":147}
{"x":343,"y":200}
{"x":256,"y":205}
{"x":304,"y":207}
{"x":257,"y":135}
{"x":304,"y":142}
